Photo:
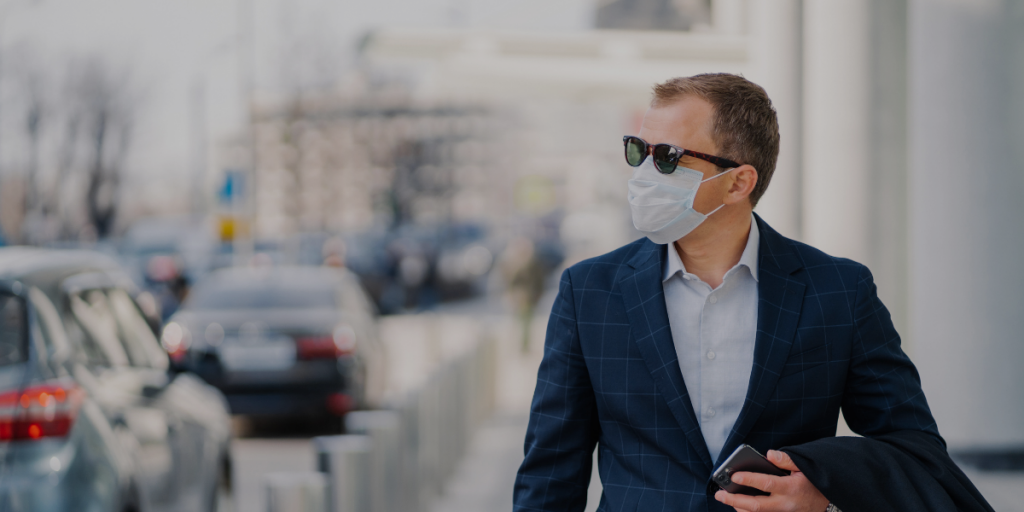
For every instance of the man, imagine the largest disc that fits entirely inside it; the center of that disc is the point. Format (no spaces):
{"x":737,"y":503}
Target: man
{"x":711,"y":332}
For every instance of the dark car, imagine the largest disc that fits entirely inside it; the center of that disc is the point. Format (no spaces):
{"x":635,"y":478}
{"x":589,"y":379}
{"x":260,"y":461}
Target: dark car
{"x":90,"y":417}
{"x":281,"y":341}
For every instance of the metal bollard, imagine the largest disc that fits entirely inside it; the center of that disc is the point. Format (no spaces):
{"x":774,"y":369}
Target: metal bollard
{"x":409,"y":457}
{"x":346,"y":461}
{"x":429,"y":450}
{"x":461,"y":432}
{"x":450,"y":431}
{"x":488,"y":376}
{"x":384,"y":429}
{"x":466,"y":387}
{"x":296,"y":492}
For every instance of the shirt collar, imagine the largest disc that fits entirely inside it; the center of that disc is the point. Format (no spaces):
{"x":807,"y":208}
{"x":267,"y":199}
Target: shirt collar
{"x":747,"y":259}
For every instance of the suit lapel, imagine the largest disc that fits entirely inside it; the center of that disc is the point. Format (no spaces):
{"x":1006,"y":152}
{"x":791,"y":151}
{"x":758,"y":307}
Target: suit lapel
{"x":644,"y":298}
{"x":780,"y":298}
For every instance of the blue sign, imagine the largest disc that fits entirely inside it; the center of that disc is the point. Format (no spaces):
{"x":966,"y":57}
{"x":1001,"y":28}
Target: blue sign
{"x":233,"y":187}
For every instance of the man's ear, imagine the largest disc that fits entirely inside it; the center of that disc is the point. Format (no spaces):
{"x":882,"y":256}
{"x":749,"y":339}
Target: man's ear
{"x":742,"y":184}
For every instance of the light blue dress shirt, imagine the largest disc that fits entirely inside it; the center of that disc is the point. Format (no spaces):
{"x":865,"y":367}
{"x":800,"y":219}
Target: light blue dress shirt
{"x":714,"y":331}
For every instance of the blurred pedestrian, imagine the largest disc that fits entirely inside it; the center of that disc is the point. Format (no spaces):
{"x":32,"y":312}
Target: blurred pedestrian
{"x":179,"y":287}
{"x":334,"y":252}
{"x":523,"y":272}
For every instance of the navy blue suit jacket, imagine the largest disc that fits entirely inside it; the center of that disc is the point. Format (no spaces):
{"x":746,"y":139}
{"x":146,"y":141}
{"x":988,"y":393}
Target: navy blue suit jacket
{"x":610,"y":378}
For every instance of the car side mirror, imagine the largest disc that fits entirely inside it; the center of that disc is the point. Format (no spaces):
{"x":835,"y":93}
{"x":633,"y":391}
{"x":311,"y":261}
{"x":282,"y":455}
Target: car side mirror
{"x":157,"y":386}
{"x":151,"y":391}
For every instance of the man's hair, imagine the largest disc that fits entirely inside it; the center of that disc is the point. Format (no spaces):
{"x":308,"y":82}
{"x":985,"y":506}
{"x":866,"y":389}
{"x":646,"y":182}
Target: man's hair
{"x":744,"y":125}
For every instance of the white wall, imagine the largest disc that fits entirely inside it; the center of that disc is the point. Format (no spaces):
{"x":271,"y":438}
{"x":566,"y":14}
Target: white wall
{"x":776,"y":63}
{"x":836,"y":119}
{"x":966,"y":209}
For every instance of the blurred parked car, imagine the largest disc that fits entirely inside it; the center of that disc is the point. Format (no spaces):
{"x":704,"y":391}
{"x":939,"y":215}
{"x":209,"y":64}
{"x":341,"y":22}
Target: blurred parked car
{"x":281,"y":341}
{"x":415,"y":267}
{"x":90,"y":417}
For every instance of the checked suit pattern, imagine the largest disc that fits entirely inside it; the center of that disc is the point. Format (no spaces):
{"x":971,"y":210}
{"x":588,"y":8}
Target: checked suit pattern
{"x":610,"y":378}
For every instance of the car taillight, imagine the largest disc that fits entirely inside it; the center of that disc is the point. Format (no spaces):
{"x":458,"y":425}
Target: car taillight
{"x":340,"y":404}
{"x":315,"y":347}
{"x":39,"y":411}
{"x":327,"y":346}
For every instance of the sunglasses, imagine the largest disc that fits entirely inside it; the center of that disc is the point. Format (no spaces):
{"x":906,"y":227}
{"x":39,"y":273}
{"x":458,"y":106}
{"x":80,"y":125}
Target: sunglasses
{"x":666,"y":156}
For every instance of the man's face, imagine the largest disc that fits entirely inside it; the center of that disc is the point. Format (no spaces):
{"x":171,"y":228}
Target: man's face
{"x":686,"y":122}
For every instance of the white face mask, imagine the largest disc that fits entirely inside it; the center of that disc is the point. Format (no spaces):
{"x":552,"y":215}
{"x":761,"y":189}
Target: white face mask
{"x":662,"y":204}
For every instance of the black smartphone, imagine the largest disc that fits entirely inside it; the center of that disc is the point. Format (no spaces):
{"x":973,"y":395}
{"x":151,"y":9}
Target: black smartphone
{"x":744,"y":458}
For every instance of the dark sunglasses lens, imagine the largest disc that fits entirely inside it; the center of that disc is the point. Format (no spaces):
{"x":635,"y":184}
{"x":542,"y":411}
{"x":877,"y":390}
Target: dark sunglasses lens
{"x":665,"y":158}
{"x":636,"y":151}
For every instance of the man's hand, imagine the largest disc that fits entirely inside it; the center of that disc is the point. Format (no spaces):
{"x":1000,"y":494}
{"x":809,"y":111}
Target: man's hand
{"x":793,"y":493}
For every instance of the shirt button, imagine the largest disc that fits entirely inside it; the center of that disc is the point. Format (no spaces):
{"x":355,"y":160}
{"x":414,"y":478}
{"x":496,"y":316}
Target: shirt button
{"x":711,"y":412}
{"x":713,"y":299}
{"x":711,"y":354}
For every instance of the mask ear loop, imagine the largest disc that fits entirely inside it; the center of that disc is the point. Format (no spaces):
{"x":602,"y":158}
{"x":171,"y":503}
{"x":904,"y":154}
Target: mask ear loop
{"x":706,"y":215}
{"x":713,"y":211}
{"x":727,"y":171}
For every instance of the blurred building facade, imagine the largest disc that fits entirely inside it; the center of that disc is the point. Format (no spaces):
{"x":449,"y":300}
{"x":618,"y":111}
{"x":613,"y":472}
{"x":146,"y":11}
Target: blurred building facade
{"x":344,"y":164}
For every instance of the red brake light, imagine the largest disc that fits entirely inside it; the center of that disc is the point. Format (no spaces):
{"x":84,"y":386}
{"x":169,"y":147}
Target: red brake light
{"x":316,"y":347}
{"x":327,"y":346}
{"x":340,"y":404}
{"x":44,"y":410}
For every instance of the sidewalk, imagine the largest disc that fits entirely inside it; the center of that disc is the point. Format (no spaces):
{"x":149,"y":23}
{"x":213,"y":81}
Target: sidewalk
{"x":1003,"y":490}
{"x":484,"y":479}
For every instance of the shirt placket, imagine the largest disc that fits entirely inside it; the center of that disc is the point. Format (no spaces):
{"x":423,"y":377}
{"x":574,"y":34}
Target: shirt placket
{"x":702,"y":290}
{"x":708,"y":396}
{"x":712,"y":399}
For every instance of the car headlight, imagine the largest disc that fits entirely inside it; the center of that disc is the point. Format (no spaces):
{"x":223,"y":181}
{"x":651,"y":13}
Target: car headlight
{"x":176,"y":339}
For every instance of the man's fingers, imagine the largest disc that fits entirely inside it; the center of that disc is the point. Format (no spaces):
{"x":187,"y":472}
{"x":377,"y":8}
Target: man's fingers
{"x":766,"y":483}
{"x":782,"y":460}
{"x":739,"y":501}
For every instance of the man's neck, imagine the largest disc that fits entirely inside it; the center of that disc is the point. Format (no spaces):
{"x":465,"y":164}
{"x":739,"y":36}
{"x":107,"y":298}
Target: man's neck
{"x":710,"y":252}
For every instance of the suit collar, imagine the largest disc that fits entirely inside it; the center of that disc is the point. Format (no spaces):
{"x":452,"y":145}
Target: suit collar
{"x":773,"y":249}
{"x":749,"y":258}
{"x":647,"y":253}
{"x":776,"y":250}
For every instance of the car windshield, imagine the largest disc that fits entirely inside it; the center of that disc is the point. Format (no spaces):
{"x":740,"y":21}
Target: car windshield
{"x":13,"y":342}
{"x":261,"y":294}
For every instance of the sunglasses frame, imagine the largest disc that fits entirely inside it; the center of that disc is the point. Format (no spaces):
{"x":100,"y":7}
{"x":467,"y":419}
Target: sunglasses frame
{"x":679,"y":153}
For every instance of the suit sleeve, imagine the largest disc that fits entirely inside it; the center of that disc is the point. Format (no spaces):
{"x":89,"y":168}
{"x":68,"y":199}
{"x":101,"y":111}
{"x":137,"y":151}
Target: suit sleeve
{"x":563,"y":428}
{"x":883,"y":391}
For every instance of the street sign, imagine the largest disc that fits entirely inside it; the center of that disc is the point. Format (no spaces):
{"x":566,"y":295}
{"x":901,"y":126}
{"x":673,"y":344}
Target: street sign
{"x":232,"y":189}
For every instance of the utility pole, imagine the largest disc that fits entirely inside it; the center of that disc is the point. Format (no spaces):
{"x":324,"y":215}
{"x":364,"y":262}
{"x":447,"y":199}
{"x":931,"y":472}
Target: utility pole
{"x":200,"y":126}
{"x":243,"y":243}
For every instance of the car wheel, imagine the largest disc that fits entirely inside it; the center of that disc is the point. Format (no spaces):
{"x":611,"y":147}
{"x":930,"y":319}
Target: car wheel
{"x":221,"y":493}
{"x":131,"y":500}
